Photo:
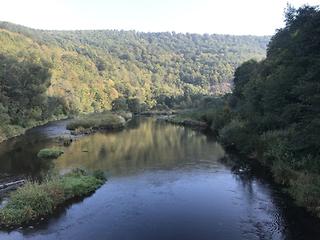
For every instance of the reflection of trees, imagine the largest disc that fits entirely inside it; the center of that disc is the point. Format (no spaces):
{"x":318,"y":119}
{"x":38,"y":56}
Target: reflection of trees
{"x":150,"y":145}
{"x":18,"y":156}
{"x":135,"y":123}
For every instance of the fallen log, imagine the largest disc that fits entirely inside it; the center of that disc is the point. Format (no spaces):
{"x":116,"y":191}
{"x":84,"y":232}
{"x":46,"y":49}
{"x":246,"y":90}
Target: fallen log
{"x":12,"y":184}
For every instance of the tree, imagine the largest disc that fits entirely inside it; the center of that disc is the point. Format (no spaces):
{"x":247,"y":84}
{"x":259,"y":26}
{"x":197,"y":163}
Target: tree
{"x":120,"y":104}
{"x":134,"y":105}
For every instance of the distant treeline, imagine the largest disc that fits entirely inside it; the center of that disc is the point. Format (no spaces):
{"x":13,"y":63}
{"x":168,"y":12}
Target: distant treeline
{"x":47,"y":74}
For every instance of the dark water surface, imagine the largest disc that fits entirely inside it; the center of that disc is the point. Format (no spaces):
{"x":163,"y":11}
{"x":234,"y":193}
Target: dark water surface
{"x":165,"y":182}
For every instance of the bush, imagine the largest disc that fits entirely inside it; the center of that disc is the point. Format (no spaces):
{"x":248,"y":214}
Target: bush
{"x":50,"y":153}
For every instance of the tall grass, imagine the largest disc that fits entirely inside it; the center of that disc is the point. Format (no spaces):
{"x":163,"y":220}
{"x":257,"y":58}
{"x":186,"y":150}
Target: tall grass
{"x":35,"y":200}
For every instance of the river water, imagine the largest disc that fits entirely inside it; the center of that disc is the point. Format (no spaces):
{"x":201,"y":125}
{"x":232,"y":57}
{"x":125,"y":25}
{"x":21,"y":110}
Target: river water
{"x":164,"y":182}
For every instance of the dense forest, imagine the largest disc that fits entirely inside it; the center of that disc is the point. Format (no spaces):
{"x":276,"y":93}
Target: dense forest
{"x":49,"y":74}
{"x":273,"y":114}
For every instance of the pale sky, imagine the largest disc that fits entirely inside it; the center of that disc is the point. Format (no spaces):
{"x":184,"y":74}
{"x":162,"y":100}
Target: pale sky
{"x":255,"y":17}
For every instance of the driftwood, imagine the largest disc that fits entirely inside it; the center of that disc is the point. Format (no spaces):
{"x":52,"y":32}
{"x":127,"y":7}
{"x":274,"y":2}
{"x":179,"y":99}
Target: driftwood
{"x":12,"y":184}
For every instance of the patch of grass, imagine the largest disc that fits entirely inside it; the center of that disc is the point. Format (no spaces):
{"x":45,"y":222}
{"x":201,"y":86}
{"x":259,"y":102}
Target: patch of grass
{"x":34,"y":200}
{"x":105,"y":120}
{"x":50,"y":153}
{"x":188,"y":118}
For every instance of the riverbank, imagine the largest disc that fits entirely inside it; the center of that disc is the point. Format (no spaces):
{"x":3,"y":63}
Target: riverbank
{"x":82,"y":124}
{"x":34,"y":201}
{"x":301,"y":184}
{"x":11,"y":131}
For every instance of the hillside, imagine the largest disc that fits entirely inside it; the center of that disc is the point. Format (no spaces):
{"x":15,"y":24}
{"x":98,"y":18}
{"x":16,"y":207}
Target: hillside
{"x":47,"y":74}
{"x":273,"y":114}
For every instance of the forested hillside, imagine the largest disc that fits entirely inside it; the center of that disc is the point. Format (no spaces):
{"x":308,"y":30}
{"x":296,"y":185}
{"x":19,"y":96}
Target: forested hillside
{"x":48,"y":74}
{"x":273,"y":114}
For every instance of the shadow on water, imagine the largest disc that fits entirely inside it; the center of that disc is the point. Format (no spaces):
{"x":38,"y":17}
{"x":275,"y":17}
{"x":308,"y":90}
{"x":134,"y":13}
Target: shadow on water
{"x":165,"y":182}
{"x":297,"y":223}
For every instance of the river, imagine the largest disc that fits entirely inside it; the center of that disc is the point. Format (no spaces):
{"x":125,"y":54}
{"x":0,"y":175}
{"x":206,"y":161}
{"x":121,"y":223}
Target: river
{"x":164,"y":182}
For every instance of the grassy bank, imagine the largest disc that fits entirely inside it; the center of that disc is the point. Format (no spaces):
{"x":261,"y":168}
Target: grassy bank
{"x":96,"y":121}
{"x":8,"y":131}
{"x":36,"y":200}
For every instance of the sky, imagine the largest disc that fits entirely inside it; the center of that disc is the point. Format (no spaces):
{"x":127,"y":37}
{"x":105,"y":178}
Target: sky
{"x":239,"y":17}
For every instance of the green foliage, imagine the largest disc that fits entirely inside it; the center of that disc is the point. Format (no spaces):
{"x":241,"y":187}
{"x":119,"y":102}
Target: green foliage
{"x":275,"y":107}
{"x":76,"y":186}
{"x":120,"y":104}
{"x":280,"y":94}
{"x":134,"y":105}
{"x":273,"y":113}
{"x":236,"y":134}
{"x":27,"y":203}
{"x":35,"y":200}
{"x":50,"y":153}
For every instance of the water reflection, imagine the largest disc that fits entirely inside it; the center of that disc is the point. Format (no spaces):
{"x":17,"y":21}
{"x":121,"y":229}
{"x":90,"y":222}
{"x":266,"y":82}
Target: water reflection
{"x":137,"y":148}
